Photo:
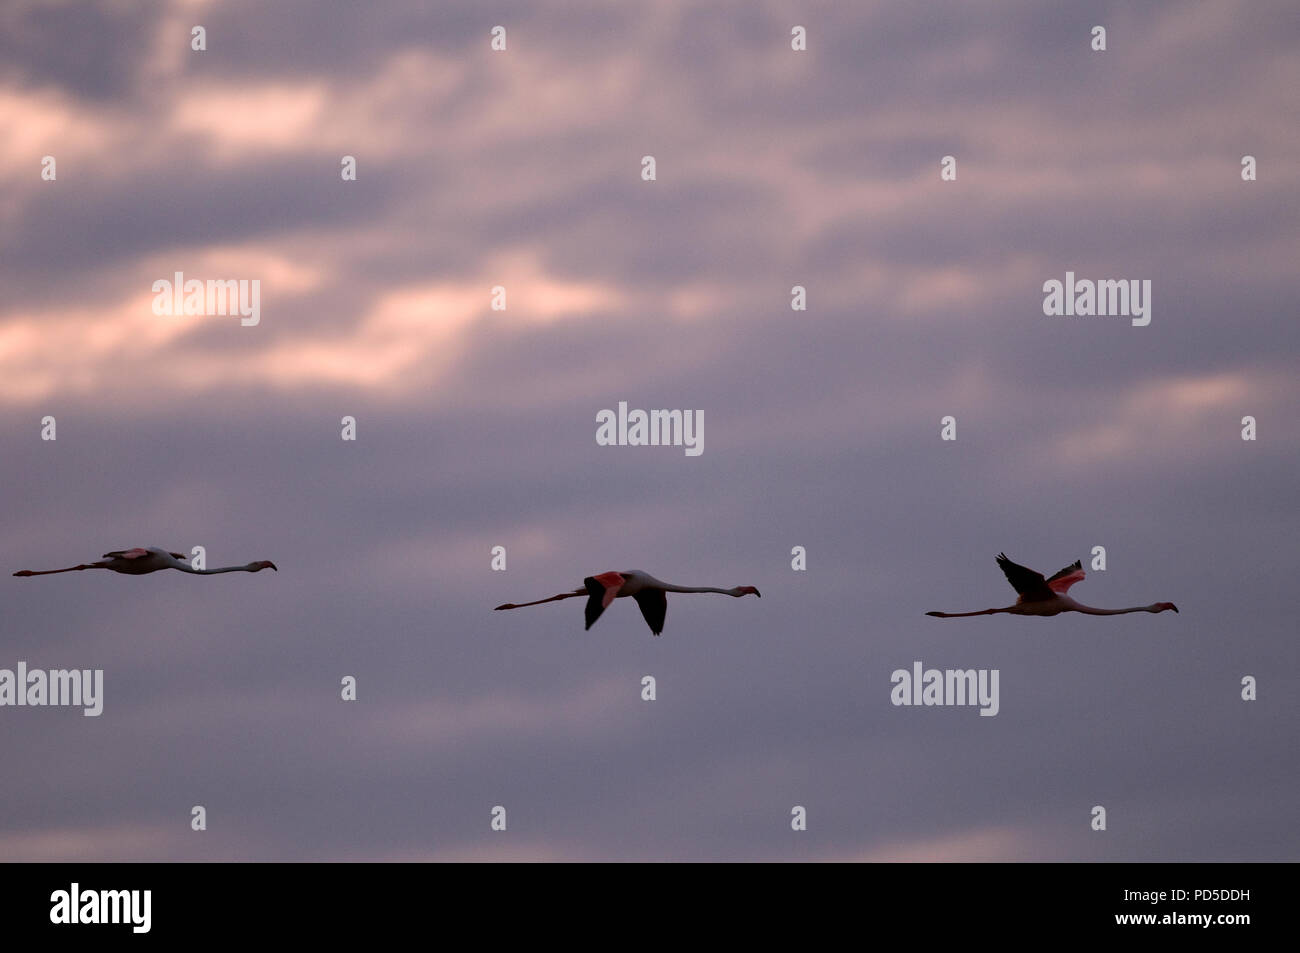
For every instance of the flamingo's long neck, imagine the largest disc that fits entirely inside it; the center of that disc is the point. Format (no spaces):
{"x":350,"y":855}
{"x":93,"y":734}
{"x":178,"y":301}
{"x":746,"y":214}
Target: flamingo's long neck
{"x":212,"y":572}
{"x":668,"y":587}
{"x":1089,"y":610}
{"x":960,"y":615}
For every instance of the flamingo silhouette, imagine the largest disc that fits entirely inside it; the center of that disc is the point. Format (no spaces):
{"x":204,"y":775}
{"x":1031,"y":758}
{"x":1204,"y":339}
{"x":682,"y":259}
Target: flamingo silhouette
{"x":649,"y":593}
{"x":137,"y":562}
{"x":1039,"y":596}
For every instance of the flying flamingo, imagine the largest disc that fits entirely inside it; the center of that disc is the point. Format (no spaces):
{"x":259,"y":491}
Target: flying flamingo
{"x":1039,"y":596}
{"x":649,"y":593}
{"x":137,"y":562}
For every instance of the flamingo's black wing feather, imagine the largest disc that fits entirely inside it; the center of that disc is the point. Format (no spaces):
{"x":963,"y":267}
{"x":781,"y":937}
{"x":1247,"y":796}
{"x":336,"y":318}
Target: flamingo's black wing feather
{"x":1073,"y":567}
{"x":595,"y":600}
{"x":654,"y":606}
{"x":1030,"y":584}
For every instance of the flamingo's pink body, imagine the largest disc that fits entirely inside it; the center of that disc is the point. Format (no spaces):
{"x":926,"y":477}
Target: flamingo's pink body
{"x":1039,"y":596}
{"x":141,"y":560}
{"x":650,"y":594}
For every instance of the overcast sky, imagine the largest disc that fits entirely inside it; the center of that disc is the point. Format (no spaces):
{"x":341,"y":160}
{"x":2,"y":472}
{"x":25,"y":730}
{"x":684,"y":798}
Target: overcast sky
{"x":476,"y":428}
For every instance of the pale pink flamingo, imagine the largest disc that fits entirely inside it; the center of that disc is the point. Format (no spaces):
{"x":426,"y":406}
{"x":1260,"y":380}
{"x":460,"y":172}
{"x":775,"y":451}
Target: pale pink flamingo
{"x":137,"y":562}
{"x":650,"y":594}
{"x":1039,"y":596}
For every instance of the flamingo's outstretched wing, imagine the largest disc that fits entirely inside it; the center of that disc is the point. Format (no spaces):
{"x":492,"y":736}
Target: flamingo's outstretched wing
{"x":136,"y":553}
{"x":1030,"y":584}
{"x":602,"y":589}
{"x":654,"y":606}
{"x":595,"y":601}
{"x":1067,"y":577}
